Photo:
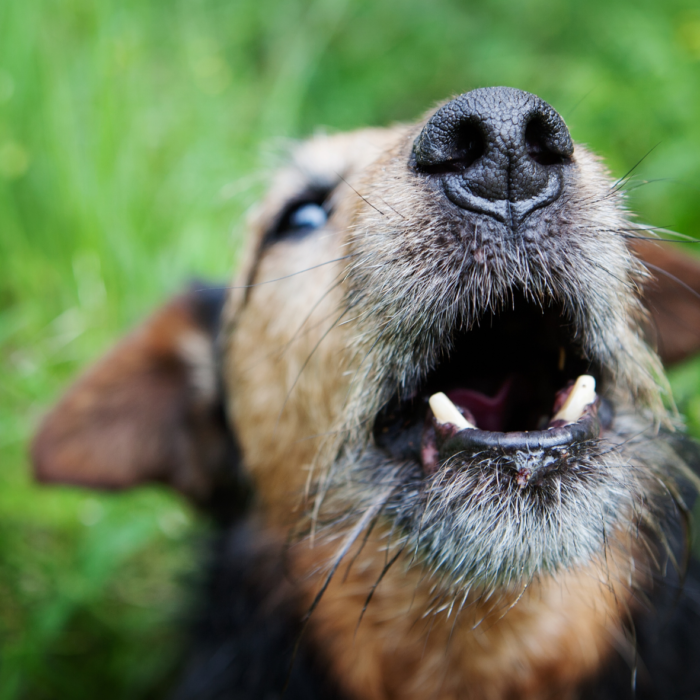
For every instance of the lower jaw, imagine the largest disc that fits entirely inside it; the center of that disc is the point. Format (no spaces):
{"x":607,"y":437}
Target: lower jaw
{"x":475,"y":526}
{"x":500,"y":517}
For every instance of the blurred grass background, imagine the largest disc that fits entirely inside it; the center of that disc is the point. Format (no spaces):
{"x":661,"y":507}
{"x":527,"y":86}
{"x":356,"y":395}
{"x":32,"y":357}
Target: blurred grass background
{"x":131,"y":133}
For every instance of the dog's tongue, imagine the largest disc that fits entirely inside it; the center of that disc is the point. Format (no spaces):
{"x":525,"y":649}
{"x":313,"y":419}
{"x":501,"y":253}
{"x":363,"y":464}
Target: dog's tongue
{"x":488,"y":412}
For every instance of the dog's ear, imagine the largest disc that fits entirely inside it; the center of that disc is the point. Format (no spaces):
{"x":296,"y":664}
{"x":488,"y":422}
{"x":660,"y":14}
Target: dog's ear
{"x":150,"y":410}
{"x":673,"y":299}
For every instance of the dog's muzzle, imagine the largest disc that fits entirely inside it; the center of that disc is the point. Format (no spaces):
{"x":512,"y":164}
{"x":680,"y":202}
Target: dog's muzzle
{"x":519,"y":386}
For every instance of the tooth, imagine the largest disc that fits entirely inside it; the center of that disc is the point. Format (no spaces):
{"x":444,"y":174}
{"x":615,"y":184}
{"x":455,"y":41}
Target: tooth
{"x":582,"y":394}
{"x":446,"y":412}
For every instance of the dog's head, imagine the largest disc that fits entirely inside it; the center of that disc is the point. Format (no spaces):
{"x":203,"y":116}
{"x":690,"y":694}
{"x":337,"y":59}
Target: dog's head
{"x":439,"y":328}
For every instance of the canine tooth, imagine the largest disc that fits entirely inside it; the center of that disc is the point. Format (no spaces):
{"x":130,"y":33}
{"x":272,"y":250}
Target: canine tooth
{"x":446,"y":412}
{"x":582,"y":394}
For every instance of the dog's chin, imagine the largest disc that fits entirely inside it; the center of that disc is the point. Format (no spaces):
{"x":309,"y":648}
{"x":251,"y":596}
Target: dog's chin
{"x":472,"y":525}
{"x":521,"y":490}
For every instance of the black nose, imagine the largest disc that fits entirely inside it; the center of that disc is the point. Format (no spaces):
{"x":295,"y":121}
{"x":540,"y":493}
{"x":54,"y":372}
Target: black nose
{"x":499,"y":151}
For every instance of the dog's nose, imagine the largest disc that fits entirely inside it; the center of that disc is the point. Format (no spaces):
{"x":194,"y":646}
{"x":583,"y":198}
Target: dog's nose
{"x":498,"y":151}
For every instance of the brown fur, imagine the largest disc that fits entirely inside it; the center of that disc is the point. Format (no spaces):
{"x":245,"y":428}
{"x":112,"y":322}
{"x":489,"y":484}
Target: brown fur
{"x":143,"y":413}
{"x":537,"y":643}
{"x":557,"y":633}
{"x":672,"y":298}
{"x":298,"y":384}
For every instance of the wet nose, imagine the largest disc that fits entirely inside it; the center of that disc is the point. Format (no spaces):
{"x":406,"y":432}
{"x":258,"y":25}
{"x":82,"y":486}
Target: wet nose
{"x":497,"y":151}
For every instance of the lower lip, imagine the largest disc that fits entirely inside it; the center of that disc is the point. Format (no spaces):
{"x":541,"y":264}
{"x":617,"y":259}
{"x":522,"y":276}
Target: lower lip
{"x":587,"y":428}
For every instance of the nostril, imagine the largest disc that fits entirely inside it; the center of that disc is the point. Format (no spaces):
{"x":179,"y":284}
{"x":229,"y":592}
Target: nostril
{"x":541,"y":144}
{"x":466,"y":146}
{"x":469,"y":144}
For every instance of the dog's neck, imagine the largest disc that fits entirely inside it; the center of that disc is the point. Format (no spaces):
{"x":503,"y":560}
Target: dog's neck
{"x":540,"y":642}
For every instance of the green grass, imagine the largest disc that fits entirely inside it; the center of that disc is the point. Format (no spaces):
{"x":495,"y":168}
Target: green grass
{"x":132,"y":136}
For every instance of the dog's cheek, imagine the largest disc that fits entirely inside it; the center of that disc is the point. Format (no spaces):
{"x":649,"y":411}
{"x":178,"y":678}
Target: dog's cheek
{"x":284,"y":368}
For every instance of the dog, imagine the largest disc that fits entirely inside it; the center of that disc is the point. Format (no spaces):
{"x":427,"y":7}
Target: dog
{"x":432,"y":418}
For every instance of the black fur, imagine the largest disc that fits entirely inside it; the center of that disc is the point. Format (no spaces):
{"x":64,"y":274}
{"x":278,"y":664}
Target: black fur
{"x":208,"y":304}
{"x":245,"y":637}
{"x":668,"y":648}
{"x":247,"y":627}
{"x":230,"y":497}
{"x":667,"y":630}
{"x":245,"y":632}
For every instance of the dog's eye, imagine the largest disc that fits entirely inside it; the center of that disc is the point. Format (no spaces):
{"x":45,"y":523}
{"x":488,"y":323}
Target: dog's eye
{"x":307,"y":216}
{"x":300,"y":219}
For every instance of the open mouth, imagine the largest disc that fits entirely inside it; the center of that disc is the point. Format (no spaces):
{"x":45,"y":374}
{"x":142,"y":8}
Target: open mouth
{"x":518,"y":384}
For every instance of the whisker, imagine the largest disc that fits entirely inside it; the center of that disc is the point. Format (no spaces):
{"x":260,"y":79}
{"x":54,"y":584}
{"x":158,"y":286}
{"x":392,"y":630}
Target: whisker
{"x":364,"y":542}
{"x":673,"y":277}
{"x":279,"y":279}
{"x":362,"y":197}
{"x":685,"y":238}
{"x":298,"y":331}
{"x":386,"y":568}
{"x":618,"y":184}
{"x":349,"y":540}
{"x":663,"y":310}
{"x":398,"y":213}
{"x":654,"y":239}
{"x":279,"y":351}
{"x":305,"y":365}
{"x":642,"y":183}
{"x":569,"y":112}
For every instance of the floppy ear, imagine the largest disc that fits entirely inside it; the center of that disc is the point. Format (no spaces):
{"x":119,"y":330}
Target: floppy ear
{"x":673,"y":299}
{"x":150,"y":410}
